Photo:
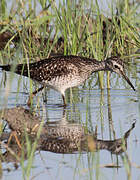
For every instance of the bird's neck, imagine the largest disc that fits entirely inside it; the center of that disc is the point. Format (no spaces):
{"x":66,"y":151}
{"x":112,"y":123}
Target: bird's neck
{"x":99,"y":66}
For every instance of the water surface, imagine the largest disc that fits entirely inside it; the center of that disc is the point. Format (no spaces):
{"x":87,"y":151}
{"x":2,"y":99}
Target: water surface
{"x":111,"y":112}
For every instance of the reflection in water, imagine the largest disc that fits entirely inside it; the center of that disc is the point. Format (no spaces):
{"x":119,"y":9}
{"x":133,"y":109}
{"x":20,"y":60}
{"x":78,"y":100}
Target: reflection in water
{"x":58,"y":137}
{"x":71,"y":141}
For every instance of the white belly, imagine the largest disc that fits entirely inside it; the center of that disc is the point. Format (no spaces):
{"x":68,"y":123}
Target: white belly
{"x":61,"y":83}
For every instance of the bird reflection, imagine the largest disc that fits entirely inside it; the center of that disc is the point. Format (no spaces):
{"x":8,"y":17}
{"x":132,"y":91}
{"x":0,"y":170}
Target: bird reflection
{"x":58,"y":137}
{"x":70,"y":139}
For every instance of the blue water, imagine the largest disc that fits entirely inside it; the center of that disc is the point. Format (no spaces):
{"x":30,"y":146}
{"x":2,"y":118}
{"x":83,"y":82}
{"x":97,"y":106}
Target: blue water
{"x":85,"y":106}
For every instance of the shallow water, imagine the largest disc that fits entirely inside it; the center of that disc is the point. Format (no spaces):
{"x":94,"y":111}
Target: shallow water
{"x":112,"y":112}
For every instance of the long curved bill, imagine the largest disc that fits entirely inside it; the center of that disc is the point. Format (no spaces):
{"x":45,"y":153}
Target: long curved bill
{"x":127,"y":79}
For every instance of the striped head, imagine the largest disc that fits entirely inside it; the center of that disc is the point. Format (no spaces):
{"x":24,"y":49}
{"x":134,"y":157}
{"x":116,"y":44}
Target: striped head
{"x":115,"y":64}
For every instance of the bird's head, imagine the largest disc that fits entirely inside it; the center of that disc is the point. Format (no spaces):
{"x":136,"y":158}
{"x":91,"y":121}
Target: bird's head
{"x":115,"y":64}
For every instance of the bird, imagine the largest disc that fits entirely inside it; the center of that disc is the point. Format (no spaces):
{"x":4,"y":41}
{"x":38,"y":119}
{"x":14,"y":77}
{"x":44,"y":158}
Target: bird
{"x":61,"y":136}
{"x":63,"y":72}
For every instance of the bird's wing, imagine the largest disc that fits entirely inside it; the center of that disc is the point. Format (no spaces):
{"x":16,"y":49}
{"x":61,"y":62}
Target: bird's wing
{"x":46,"y":69}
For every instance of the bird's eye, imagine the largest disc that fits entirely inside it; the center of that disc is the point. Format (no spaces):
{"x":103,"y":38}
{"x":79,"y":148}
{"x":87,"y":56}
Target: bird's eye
{"x":116,"y":66}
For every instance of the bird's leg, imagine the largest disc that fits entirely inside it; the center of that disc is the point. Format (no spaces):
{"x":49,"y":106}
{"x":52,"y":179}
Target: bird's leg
{"x":14,"y":133}
{"x":33,"y":94}
{"x":64,"y":101}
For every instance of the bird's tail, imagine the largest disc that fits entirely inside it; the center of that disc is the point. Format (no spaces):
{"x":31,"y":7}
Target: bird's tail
{"x":20,"y":69}
{"x":5,"y":67}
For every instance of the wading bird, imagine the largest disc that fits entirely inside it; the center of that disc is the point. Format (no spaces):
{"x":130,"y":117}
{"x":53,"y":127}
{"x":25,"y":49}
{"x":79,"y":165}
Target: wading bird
{"x":63,"y":72}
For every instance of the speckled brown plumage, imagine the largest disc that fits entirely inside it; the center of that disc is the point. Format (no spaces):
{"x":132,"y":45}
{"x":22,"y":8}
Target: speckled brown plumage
{"x":59,"y":137}
{"x":63,"y":72}
{"x":47,"y":69}
{"x":63,"y":143}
